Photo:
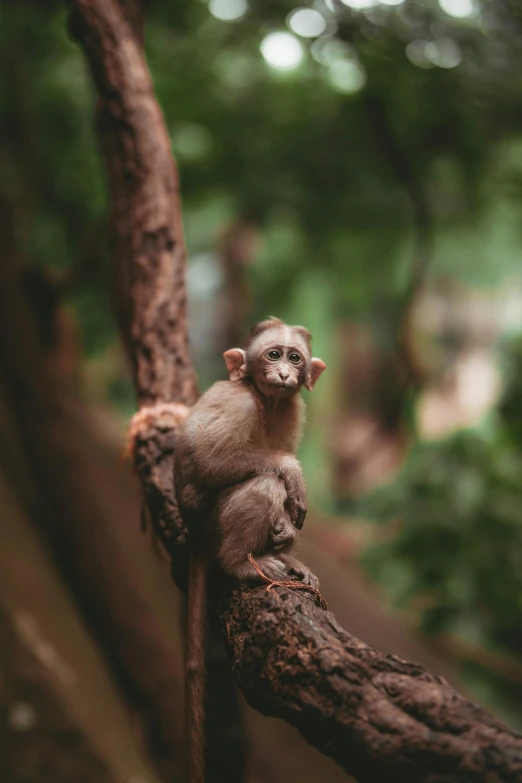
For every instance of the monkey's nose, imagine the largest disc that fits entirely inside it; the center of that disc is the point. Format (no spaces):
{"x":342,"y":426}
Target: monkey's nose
{"x":284,"y":375}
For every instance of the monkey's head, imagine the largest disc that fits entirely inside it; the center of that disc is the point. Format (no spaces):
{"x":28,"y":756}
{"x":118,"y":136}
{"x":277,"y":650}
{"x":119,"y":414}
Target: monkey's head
{"x":277,"y":358}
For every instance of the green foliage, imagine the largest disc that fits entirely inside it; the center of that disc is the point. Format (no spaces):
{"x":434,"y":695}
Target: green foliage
{"x":460,"y":540}
{"x":320,"y":169}
{"x":457,"y":555}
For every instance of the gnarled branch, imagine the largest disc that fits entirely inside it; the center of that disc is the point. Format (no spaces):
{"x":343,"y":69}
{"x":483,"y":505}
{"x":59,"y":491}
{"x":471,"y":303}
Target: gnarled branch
{"x":378,"y":716}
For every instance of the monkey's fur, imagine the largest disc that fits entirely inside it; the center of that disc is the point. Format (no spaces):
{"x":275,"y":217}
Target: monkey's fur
{"x":239,"y":486}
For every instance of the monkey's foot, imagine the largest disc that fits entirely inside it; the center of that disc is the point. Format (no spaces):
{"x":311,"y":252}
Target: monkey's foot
{"x":282,"y":535}
{"x":291,"y":585}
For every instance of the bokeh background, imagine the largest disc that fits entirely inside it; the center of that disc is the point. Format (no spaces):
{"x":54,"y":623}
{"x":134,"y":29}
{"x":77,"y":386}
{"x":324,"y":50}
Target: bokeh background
{"x":353,"y":166}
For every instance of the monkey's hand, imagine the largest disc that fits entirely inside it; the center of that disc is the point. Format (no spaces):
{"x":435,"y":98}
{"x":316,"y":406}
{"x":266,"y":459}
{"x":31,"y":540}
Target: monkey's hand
{"x":292,"y":476}
{"x":301,"y":571}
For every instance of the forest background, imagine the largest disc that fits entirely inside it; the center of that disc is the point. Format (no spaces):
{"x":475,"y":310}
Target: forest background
{"x":355,"y":167}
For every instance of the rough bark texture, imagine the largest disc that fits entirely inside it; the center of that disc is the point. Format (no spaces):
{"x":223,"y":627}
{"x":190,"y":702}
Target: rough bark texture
{"x":146,"y":217}
{"x":154,"y":462}
{"x":378,"y":716}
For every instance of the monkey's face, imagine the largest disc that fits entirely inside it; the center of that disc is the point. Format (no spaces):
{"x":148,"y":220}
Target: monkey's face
{"x":277,"y":359}
{"x":279,"y":370}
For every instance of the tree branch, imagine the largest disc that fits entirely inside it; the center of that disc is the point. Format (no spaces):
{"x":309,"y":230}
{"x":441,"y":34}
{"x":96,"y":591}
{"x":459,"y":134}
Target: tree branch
{"x":146,"y":215}
{"x":379,"y":717}
{"x":148,"y":248}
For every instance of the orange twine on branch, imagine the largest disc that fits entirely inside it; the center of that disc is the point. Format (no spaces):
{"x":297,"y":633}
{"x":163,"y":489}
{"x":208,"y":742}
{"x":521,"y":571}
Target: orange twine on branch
{"x":290,"y":585}
{"x":165,"y":415}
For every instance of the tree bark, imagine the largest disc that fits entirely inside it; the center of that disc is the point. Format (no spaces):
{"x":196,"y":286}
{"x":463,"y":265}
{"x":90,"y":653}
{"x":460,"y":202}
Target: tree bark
{"x":378,"y":716}
{"x":146,"y":217}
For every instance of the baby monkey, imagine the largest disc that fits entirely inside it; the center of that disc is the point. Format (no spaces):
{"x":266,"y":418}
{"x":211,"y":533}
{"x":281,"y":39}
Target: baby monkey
{"x":236,"y":473}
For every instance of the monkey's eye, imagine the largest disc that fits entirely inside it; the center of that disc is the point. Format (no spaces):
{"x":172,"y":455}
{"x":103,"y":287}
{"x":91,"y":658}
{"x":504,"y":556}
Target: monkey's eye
{"x":294,"y":358}
{"x":274,"y":355}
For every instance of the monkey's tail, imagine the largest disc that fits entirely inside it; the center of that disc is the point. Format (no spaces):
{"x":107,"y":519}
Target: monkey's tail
{"x":195,"y":667}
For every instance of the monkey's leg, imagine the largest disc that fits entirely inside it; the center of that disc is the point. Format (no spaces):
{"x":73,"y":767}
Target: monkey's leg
{"x":300,"y":570}
{"x":250,"y":517}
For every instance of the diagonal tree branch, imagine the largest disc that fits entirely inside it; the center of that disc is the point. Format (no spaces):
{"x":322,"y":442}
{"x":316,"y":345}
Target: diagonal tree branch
{"x":379,"y":717}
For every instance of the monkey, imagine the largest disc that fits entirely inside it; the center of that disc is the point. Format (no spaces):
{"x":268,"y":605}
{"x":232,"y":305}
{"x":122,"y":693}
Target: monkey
{"x":238,"y":484}
{"x":235,"y":464}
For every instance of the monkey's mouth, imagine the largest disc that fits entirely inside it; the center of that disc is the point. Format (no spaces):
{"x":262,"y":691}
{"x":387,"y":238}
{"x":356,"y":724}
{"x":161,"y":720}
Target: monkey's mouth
{"x":283,"y":389}
{"x":281,"y":385}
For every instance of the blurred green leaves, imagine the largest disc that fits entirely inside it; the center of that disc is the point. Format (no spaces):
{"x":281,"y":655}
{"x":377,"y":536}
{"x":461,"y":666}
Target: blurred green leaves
{"x":458,"y":549}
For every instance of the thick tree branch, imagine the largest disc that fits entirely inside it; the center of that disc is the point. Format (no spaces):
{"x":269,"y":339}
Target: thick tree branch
{"x":148,"y":247}
{"x":379,"y":717}
{"x":146,"y":216}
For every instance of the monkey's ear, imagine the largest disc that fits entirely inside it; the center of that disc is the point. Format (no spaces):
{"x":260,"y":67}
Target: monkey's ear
{"x":317,"y":366}
{"x":235,"y":360}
